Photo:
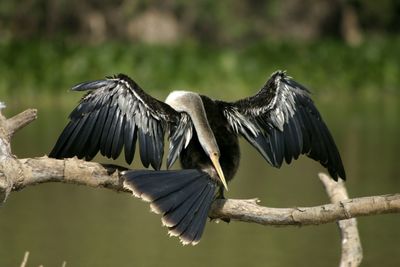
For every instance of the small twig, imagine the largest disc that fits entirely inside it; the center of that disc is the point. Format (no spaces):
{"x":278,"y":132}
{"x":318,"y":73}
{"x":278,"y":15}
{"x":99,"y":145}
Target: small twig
{"x":25,"y":259}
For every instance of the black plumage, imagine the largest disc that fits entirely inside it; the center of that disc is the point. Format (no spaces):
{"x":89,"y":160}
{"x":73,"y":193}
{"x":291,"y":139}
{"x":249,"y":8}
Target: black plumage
{"x":280,"y":121}
{"x":182,"y":198}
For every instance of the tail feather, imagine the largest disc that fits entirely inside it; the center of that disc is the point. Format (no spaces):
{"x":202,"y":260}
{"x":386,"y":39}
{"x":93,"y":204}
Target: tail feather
{"x":182,"y":225}
{"x":152,"y":185}
{"x":194,"y":230}
{"x":174,"y":217}
{"x":171,"y":201}
{"x":183,"y":198}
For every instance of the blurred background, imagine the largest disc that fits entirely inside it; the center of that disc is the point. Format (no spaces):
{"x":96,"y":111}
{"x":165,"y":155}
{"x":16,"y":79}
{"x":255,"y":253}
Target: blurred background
{"x":346,"y":52}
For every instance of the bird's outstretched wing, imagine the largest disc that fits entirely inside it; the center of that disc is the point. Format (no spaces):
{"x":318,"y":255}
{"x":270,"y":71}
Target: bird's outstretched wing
{"x":113,"y":115}
{"x":282,"y":122}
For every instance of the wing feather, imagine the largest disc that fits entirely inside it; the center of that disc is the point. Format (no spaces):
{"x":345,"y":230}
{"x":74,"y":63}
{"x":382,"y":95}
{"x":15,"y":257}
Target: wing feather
{"x":282,"y":122}
{"x":104,"y":145}
{"x":118,"y":140}
{"x":94,"y":142}
{"x":289,"y":143}
{"x":278,"y":146}
{"x":180,"y":136}
{"x":130,"y":137}
{"x":70,"y":146}
{"x":87,"y":132}
{"x":116,"y":112}
{"x":143,"y":149}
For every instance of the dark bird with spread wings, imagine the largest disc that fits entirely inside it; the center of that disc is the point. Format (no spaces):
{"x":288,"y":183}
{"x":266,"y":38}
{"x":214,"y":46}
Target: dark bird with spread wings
{"x":280,"y":121}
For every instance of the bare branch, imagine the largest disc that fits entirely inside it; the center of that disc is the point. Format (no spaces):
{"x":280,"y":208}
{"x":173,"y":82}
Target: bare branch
{"x":25,"y":259}
{"x":351,"y":245}
{"x":249,"y":211}
{"x":72,"y":171}
{"x":44,"y":169}
{"x":20,"y":120}
{"x":16,"y":174}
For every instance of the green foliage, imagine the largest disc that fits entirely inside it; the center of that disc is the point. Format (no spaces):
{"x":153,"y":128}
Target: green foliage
{"x":53,"y":67}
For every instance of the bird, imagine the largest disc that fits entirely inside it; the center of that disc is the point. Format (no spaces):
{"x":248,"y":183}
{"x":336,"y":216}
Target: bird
{"x":280,"y":121}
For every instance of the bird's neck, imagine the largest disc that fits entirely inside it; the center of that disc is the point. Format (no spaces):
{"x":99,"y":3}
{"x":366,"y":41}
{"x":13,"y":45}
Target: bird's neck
{"x":192,"y":104}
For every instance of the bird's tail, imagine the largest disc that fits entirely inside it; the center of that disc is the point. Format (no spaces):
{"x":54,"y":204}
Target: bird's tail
{"x":182,"y":197}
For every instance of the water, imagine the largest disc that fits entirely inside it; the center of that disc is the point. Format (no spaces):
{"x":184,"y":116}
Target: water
{"x":97,"y":227}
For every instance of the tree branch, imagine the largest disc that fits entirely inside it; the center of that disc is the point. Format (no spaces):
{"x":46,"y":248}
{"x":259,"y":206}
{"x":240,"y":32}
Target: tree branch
{"x":250,"y":211}
{"x":75,"y":171}
{"x":16,"y":174}
{"x":20,"y":120}
{"x":72,"y":171}
{"x":352,"y":253}
{"x":21,"y":173}
{"x":25,"y":259}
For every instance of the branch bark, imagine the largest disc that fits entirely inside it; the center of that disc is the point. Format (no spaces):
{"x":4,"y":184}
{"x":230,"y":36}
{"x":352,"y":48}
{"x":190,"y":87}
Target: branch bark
{"x":352,"y":253}
{"x":250,"y":211}
{"x":25,"y":259}
{"x":43,"y":170}
{"x":16,"y":174}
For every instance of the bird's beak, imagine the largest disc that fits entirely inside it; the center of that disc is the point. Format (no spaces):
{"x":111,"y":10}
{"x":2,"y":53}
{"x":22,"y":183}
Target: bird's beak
{"x":215,"y":160}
